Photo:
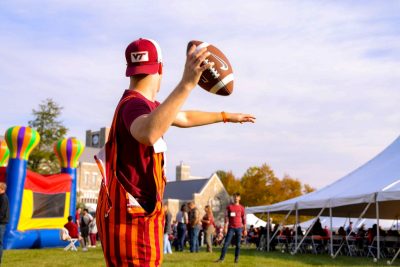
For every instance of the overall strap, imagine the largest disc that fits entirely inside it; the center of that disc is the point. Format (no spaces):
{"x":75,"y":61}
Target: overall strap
{"x":111,"y":154}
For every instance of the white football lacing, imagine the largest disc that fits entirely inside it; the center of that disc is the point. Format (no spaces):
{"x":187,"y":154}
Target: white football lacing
{"x":213,"y":71}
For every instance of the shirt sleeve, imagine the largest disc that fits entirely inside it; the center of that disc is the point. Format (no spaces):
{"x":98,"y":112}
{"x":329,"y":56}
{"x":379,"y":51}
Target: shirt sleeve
{"x":133,"y":109}
{"x":244,"y":216}
{"x":227,"y":215}
{"x":3,"y":208}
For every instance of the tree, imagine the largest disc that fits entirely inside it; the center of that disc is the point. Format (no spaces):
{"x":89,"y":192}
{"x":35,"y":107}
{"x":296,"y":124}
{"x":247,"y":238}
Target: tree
{"x":46,"y":123}
{"x":290,"y":188}
{"x":259,"y":185}
{"x":308,"y":189}
{"x":231,"y":184}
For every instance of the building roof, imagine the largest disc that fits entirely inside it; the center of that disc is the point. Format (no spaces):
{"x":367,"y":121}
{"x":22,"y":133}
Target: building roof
{"x":88,"y":154}
{"x":184,"y":190}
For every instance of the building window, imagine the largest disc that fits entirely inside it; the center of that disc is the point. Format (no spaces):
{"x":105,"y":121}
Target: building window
{"x":86,"y":178}
{"x":94,"y":178}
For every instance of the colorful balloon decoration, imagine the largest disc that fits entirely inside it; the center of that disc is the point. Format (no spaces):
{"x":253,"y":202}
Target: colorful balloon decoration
{"x":4,"y":153}
{"x":68,"y":152}
{"x":39,"y":205}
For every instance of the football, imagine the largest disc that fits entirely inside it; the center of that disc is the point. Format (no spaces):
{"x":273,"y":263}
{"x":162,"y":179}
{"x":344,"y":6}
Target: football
{"x":219,"y":78}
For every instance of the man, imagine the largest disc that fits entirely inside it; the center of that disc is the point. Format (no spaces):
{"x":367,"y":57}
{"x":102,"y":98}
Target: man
{"x":129,"y":211}
{"x":86,"y":219}
{"x":349,"y":228}
{"x":194,"y":227}
{"x":4,"y":215}
{"x":235,"y":225}
{"x":182,"y":220}
{"x":167,"y":231}
{"x":73,"y":230}
{"x":78,"y":216}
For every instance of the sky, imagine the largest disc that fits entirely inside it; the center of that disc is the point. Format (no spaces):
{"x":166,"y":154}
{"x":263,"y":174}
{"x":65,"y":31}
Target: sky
{"x":322,"y":77}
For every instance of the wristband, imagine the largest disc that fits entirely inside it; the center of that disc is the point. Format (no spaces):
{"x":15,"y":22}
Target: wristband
{"x":224,"y":118}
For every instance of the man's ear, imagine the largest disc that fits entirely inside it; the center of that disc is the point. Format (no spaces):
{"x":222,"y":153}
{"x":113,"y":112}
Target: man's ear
{"x":160,"y":68}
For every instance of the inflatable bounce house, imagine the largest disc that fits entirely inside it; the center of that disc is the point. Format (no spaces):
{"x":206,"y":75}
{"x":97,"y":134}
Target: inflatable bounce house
{"x":39,"y":205}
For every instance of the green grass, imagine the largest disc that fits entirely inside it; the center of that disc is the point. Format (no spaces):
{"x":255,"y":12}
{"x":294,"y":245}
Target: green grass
{"x":249,"y":257}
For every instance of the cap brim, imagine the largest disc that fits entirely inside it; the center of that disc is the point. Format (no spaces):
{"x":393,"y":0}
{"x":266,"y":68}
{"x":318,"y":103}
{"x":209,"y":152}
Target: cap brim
{"x":142,"y":69}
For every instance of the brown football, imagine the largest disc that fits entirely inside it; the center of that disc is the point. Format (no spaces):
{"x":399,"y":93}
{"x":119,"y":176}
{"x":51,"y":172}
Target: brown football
{"x":218,"y":79}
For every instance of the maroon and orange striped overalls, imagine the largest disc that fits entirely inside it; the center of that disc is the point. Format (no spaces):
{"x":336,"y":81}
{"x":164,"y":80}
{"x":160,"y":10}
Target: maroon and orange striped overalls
{"x":129,"y":235}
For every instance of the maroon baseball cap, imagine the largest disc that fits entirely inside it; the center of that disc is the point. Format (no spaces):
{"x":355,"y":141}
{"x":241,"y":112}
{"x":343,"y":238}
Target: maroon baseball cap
{"x":143,"y":56}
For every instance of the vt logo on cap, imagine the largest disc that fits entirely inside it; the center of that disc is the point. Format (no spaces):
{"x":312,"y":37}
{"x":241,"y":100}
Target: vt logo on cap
{"x":143,"y":56}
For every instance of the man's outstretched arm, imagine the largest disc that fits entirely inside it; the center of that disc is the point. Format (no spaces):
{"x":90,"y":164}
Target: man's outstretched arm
{"x":193,"y":118}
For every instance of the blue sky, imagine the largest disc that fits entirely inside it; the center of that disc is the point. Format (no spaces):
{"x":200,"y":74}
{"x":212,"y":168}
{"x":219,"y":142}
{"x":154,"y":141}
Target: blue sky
{"x":322,"y":77}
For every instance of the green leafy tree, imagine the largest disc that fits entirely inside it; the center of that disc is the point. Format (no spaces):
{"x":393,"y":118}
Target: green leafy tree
{"x":46,"y":122}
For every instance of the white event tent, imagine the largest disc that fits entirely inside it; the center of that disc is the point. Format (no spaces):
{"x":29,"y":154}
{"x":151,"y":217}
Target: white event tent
{"x":371,"y":191}
{"x":378,"y":180}
{"x":252,"y":219}
{"x":338,"y":222}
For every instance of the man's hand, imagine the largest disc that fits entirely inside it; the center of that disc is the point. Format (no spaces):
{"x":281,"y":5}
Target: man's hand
{"x":193,"y":66}
{"x":225,"y":230}
{"x":240,"y":117}
{"x":244,"y":232}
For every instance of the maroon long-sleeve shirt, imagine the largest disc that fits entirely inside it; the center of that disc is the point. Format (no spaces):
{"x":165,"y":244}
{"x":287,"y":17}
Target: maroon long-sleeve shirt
{"x":235,"y":216}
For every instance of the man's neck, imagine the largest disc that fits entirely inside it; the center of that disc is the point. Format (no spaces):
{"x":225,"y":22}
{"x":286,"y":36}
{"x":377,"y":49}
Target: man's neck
{"x":148,"y":86}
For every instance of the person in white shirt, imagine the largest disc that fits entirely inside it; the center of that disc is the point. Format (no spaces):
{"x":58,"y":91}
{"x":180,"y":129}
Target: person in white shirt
{"x":182,"y":220}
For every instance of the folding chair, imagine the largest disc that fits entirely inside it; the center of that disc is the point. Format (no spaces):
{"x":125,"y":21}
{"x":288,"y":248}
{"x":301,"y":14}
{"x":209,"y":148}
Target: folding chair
{"x":373,"y":248}
{"x":292,"y":245}
{"x":64,"y":235}
{"x":308,"y":245}
{"x":317,"y":244}
{"x":283,"y":244}
{"x":263,"y":243}
{"x":391,"y":245}
{"x":351,"y":243}
{"x":337,"y":242}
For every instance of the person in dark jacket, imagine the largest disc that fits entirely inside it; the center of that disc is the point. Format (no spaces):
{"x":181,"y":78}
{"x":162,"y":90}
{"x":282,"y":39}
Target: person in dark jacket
{"x":4,"y":215}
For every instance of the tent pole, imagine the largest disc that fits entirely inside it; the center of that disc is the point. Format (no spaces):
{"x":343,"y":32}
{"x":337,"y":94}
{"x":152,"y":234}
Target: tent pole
{"x":331,"y":237}
{"x":307,"y":232}
{"x":268,"y":229}
{"x":259,"y":243}
{"x":358,"y":220}
{"x":297,"y":225}
{"x":378,"y":247}
{"x":280,"y":224}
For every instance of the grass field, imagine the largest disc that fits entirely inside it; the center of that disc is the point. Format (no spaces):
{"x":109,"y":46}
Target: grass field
{"x":249,"y":257}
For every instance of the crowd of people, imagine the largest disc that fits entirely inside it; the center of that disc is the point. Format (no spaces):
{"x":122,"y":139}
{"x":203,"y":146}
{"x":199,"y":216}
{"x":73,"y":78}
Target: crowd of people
{"x":195,"y":230}
{"x":190,"y":230}
{"x":282,"y":238}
